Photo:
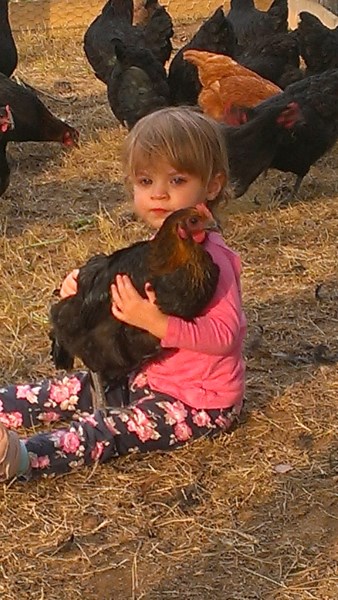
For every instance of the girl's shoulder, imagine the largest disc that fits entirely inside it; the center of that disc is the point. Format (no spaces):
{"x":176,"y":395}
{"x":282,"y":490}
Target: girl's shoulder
{"x":225,"y":257}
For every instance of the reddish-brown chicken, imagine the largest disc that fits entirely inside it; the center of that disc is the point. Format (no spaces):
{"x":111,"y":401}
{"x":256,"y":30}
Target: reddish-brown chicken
{"x":225,"y":82}
{"x":180,"y":271}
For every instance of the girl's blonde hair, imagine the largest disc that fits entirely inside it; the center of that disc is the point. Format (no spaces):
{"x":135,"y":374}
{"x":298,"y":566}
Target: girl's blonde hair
{"x":186,"y":138}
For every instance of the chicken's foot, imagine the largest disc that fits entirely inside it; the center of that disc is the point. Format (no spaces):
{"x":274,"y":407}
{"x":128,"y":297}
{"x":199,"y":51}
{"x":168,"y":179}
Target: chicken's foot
{"x":284,"y":194}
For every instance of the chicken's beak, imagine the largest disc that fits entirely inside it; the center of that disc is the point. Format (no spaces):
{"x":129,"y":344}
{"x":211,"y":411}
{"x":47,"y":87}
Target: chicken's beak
{"x":213,"y":225}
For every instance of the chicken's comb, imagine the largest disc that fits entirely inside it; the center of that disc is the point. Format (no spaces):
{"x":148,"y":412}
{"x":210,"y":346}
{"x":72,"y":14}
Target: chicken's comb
{"x":203,"y":210}
{"x":235,"y":115}
{"x":290,"y":115}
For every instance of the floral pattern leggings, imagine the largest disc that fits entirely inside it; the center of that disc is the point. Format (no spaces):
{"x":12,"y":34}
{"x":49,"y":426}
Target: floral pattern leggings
{"x":137,"y":419}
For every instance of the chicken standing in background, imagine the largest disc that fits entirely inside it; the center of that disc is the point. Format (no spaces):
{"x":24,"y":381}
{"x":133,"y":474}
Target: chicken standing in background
{"x":174,"y":262}
{"x":251,"y":24}
{"x":141,"y":11}
{"x":32,"y":119}
{"x":8,"y":52}
{"x":6,"y":124}
{"x":156,"y":24}
{"x":158,"y":31}
{"x":253,"y":145}
{"x":137,"y":85}
{"x":33,"y":122}
{"x":225,"y":82}
{"x":317,"y":43}
{"x":315,"y":134}
{"x":215,"y":35}
{"x":115,"y":18}
{"x":274,"y":57}
{"x":115,"y":23}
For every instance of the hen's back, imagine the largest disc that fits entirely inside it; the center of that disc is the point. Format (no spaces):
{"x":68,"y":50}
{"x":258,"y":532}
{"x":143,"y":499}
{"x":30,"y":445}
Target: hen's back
{"x":318,"y":44}
{"x":318,"y":131}
{"x":137,"y":85}
{"x":8,"y":51}
{"x":98,"y":42}
{"x":215,"y":35}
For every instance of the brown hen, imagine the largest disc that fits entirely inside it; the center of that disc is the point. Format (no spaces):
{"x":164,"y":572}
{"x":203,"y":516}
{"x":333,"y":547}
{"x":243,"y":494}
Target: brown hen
{"x":225,"y":82}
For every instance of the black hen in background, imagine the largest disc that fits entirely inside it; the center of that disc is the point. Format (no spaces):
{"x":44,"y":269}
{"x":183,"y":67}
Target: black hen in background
{"x":137,"y":85}
{"x":182,"y":274}
{"x":158,"y":31}
{"x":115,"y":18}
{"x":251,"y":24}
{"x":316,"y":133}
{"x":33,"y":121}
{"x":6,"y":124}
{"x":274,"y":57}
{"x":216,"y":34}
{"x":8,"y":52}
{"x":115,"y":23}
{"x":317,"y":43}
{"x":252,"y":145}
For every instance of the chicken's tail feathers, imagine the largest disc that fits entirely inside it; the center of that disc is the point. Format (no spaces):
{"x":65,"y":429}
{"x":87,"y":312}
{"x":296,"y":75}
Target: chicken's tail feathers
{"x":60,"y":356}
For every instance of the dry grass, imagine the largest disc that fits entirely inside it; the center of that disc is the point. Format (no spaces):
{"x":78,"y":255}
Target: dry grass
{"x":216,"y":520}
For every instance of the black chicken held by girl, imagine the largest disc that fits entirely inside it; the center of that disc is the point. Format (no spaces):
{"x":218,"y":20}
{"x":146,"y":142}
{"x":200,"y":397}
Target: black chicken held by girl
{"x":178,"y":268}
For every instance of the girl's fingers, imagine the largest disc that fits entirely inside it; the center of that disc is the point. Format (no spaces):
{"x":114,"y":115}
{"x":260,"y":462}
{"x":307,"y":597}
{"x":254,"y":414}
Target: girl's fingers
{"x":150,"y":293}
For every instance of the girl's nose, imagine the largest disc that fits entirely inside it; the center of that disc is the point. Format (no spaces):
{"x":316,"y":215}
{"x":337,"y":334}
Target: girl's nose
{"x":159,"y":192}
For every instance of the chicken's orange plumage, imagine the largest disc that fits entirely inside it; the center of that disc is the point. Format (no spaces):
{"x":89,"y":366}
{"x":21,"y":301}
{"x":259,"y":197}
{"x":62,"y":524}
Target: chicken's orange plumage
{"x":225,"y":82}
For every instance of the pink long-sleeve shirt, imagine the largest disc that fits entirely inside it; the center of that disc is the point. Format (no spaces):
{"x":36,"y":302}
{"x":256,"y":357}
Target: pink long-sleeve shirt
{"x":208,"y":370}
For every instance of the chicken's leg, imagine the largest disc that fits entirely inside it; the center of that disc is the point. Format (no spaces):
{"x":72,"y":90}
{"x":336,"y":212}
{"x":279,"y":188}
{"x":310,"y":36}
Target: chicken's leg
{"x":297,"y":185}
{"x":98,"y":395}
{"x":283,"y":194}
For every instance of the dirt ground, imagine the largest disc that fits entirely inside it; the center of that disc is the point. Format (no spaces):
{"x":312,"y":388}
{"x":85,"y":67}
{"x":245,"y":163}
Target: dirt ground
{"x":252,"y":515}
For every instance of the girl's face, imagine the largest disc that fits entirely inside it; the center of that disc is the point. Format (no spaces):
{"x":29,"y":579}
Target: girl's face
{"x":158,"y":193}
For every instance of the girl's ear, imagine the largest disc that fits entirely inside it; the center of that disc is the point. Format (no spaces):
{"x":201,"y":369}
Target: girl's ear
{"x":215,"y":185}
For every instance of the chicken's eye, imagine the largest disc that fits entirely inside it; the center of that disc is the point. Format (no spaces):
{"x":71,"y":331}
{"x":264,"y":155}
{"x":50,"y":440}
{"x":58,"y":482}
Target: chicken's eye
{"x":193,"y":220}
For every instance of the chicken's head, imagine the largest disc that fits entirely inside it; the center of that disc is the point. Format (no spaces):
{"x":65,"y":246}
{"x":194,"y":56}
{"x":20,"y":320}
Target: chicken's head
{"x":6,"y":119}
{"x":193,"y":223}
{"x":70,"y":137}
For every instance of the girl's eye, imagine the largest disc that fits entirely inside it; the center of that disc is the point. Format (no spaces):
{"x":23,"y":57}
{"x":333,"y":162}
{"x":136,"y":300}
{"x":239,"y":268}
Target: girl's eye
{"x":144,"y":181}
{"x":178,"y":180}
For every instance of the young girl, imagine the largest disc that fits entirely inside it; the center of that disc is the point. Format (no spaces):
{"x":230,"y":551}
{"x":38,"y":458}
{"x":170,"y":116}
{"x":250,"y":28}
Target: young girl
{"x":174,"y":158}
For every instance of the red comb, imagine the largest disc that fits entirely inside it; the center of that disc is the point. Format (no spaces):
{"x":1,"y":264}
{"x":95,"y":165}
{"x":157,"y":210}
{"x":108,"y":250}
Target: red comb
{"x":203,"y":210}
{"x":234,"y":115}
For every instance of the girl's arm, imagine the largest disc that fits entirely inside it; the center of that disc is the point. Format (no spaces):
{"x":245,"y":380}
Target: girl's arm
{"x":213,"y":333}
{"x":217,"y":329}
{"x":129,"y":306}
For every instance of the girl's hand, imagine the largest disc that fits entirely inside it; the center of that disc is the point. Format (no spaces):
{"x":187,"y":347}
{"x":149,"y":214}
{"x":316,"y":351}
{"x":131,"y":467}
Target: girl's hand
{"x":128,"y":306}
{"x":69,"y":284}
